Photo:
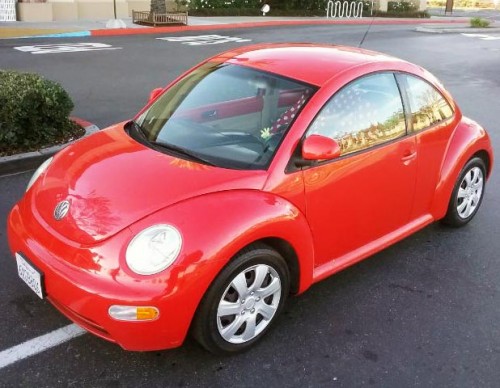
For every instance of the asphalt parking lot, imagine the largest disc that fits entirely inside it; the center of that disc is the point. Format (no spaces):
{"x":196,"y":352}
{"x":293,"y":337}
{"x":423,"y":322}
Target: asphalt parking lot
{"x":423,"y":313}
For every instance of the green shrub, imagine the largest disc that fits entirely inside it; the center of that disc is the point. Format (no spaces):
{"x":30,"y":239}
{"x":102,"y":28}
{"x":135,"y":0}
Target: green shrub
{"x":462,"y":3}
{"x":479,"y":23}
{"x":253,"y":12}
{"x":34,"y":112}
{"x":224,"y":4}
{"x":225,"y":12}
{"x":401,"y":6}
{"x":301,"y":12}
{"x":401,"y":14}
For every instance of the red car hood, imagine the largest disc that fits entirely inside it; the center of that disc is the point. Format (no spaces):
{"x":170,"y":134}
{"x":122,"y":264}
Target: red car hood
{"x":111,"y":181}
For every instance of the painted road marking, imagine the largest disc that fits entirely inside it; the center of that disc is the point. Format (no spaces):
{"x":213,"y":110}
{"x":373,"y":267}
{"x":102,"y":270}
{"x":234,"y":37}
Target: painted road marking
{"x":65,"y":48}
{"x":201,"y":40}
{"x":483,"y":36}
{"x":39,"y":344}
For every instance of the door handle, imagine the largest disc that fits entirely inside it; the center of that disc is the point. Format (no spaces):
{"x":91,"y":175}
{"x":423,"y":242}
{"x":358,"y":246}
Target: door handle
{"x":408,"y":157}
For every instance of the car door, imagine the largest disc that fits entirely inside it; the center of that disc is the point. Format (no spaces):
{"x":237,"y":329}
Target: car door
{"x":367,"y":192}
{"x":432,"y":123}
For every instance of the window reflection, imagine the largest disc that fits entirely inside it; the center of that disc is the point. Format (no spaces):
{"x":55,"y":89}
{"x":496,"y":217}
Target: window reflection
{"x":367,"y":112}
{"x":230,"y":116}
{"x":427,"y":105}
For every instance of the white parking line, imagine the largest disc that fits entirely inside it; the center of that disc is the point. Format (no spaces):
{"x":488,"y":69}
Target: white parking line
{"x":39,"y":344}
{"x":483,"y":36}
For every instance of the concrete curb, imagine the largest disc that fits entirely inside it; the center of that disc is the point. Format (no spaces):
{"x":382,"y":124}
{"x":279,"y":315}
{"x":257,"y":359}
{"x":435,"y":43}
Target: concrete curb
{"x":27,"y":161}
{"x":275,"y":23}
{"x":238,"y":25}
{"x":457,"y":30}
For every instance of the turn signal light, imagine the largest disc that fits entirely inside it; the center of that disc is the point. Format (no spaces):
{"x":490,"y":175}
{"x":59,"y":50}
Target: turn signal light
{"x":134,"y":313}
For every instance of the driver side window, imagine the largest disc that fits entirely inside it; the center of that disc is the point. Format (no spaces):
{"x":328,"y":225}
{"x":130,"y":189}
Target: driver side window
{"x":366,"y":112}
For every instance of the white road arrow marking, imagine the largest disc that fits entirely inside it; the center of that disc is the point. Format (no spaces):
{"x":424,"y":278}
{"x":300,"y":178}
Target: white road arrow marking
{"x":201,"y":40}
{"x":65,"y":48}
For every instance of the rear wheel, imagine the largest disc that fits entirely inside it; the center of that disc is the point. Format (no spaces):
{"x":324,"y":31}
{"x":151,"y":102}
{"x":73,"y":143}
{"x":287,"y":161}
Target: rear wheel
{"x":467,"y":194}
{"x":243,"y":302}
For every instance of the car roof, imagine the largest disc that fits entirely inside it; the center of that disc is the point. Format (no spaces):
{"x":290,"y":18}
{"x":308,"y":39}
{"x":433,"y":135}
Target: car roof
{"x":311,"y":63}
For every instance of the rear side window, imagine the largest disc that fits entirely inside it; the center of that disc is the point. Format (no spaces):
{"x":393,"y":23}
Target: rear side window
{"x":365,"y":113}
{"x":427,"y":105}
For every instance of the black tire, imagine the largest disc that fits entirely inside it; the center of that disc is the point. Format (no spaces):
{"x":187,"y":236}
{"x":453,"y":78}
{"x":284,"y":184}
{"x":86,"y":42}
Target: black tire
{"x":253,"y":261}
{"x":454,"y":217}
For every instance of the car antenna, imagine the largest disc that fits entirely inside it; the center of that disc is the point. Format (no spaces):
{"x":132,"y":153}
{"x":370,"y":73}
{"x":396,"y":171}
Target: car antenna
{"x":367,"y":30}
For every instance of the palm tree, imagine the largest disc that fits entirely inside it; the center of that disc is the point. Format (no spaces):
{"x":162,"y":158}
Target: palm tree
{"x":158,"y":6}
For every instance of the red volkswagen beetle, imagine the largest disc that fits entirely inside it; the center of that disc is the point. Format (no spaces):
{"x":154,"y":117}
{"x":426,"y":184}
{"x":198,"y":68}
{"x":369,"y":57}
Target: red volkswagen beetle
{"x":252,"y":176}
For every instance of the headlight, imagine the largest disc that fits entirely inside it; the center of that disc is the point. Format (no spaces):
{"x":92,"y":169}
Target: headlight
{"x":39,"y":171}
{"x":153,"y":249}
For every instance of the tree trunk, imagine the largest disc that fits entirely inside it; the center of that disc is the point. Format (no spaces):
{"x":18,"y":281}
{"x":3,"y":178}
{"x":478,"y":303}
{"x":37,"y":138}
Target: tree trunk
{"x":159,"y":6}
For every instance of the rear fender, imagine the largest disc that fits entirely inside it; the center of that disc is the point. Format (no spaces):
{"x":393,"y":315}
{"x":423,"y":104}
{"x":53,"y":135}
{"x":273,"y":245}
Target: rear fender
{"x":468,"y":139}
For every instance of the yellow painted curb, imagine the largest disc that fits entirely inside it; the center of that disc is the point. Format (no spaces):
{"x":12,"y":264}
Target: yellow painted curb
{"x":18,"y":32}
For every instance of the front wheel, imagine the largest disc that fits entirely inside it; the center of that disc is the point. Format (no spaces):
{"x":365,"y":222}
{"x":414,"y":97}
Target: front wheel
{"x":243,"y":301}
{"x":467,"y":194}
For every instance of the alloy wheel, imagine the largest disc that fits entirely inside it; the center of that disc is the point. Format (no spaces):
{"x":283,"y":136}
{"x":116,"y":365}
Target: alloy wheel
{"x":248,"y":304}
{"x":470,"y":192}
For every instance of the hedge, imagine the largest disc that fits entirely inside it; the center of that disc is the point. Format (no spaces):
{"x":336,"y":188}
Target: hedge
{"x":406,"y":9}
{"x":34,"y":112}
{"x":280,"y":12}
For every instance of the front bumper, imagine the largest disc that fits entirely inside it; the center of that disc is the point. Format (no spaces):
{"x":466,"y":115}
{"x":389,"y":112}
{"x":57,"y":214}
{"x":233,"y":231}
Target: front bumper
{"x":84,"y":288}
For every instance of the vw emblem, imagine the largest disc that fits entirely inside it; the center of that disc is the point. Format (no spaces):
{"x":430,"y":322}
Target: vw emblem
{"x":61,"y":210}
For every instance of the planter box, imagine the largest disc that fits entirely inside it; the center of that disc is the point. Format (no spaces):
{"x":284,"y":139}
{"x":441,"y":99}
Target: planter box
{"x":157,"y":19}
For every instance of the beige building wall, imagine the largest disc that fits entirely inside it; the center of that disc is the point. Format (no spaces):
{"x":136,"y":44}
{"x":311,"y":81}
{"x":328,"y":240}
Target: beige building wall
{"x":55,"y":10}
{"x":36,"y":12}
{"x":64,"y":11}
{"x":137,"y":5}
{"x":101,"y":9}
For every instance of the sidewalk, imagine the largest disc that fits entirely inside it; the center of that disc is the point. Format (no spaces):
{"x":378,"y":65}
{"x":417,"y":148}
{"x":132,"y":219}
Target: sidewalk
{"x":98,"y":28}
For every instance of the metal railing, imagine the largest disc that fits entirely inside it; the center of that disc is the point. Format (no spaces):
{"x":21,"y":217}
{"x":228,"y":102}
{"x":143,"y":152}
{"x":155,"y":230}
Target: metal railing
{"x":344,"y":9}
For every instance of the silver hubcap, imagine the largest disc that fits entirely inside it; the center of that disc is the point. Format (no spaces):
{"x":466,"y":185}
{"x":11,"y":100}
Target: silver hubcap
{"x":248,"y":304}
{"x":469,"y":192}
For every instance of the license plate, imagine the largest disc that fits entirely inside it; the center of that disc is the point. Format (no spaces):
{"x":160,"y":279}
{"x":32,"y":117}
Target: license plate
{"x":30,"y":275}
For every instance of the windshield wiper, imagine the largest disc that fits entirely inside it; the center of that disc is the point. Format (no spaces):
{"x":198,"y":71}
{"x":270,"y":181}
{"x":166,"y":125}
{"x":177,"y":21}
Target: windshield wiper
{"x":168,"y":146}
{"x":138,"y":129}
{"x":182,"y":151}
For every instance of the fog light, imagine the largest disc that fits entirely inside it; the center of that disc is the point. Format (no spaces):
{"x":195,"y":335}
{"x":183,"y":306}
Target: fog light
{"x":134,"y":313}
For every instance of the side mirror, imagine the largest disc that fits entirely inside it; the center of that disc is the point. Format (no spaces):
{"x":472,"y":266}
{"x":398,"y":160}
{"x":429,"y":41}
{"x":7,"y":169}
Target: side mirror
{"x":317,"y":147}
{"x":155,"y":93}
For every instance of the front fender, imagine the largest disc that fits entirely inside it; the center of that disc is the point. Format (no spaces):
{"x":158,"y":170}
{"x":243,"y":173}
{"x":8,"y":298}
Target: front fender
{"x":216,"y":226}
{"x":468,"y":139}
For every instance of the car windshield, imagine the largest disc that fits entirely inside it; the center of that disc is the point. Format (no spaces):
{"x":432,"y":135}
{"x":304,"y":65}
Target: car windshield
{"x":224,"y":115}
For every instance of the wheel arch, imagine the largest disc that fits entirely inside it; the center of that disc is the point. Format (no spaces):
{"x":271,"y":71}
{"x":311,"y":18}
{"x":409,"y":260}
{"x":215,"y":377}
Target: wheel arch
{"x":286,"y":250}
{"x":485,"y":156}
{"x":468,"y":141}
{"x":217,"y":226}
